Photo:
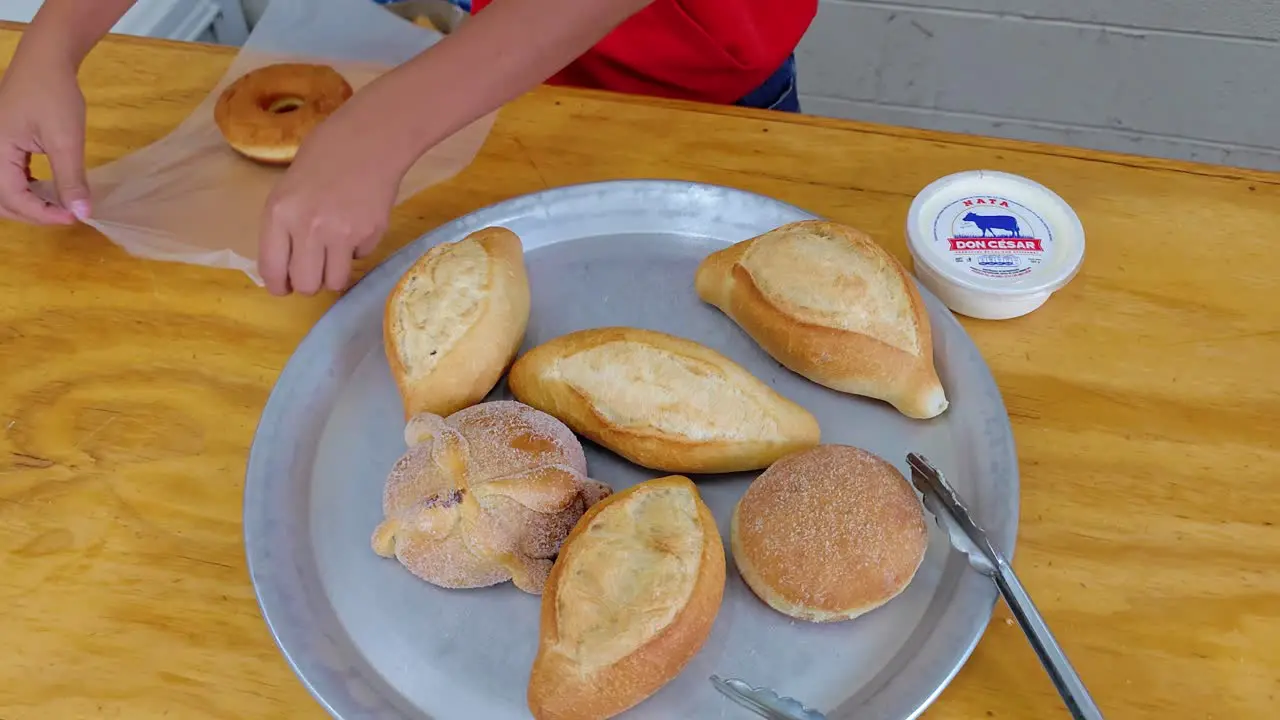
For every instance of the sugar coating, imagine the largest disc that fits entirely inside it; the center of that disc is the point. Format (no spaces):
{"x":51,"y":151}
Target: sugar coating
{"x":506,"y":436}
{"x":484,"y":496}
{"x":831,"y":530}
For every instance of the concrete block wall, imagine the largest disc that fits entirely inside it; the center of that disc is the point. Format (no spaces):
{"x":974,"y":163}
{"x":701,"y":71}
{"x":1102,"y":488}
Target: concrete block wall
{"x":1185,"y":79}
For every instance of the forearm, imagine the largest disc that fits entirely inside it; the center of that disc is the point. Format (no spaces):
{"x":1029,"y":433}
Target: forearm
{"x":67,"y":30}
{"x":495,"y":56}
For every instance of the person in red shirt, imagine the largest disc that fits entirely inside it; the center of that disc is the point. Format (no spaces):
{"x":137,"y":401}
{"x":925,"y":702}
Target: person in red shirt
{"x":333,"y":202}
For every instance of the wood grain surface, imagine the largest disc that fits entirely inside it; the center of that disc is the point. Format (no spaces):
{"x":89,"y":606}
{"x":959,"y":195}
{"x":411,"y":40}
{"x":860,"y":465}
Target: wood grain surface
{"x":1144,"y":400}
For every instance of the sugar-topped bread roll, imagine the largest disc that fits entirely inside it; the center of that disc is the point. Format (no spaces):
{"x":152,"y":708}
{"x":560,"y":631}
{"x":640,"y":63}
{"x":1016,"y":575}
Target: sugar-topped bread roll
{"x":455,"y":320}
{"x":828,"y":534}
{"x":631,"y":599}
{"x":661,"y":401}
{"x":830,"y":304}
{"x":484,"y":496}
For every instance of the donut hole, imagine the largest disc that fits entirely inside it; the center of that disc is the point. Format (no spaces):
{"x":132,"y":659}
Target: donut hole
{"x":283,"y":104}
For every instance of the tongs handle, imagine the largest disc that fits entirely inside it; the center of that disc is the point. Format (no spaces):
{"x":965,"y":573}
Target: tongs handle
{"x":1064,"y":677}
{"x":965,"y":535}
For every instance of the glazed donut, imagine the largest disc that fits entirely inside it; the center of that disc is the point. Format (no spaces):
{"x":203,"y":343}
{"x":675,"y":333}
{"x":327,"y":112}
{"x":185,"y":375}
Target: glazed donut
{"x":266,"y":113}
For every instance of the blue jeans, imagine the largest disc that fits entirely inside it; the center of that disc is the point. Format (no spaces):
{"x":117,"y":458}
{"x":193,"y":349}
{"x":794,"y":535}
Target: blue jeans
{"x":776,"y":93}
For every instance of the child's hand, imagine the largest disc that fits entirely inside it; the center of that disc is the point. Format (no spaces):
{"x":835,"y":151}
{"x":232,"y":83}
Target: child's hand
{"x":42,"y":111}
{"x":331,"y":206}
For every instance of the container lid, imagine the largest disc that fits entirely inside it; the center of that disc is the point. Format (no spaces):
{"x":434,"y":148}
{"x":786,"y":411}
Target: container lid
{"x":996,"y":233}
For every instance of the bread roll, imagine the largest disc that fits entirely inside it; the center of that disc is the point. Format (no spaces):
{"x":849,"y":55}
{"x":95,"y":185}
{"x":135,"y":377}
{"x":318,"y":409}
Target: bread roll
{"x":630,"y":601}
{"x":455,"y":321}
{"x":662,"y":402}
{"x":830,"y":304}
{"x":484,"y":496}
{"x":828,"y":534}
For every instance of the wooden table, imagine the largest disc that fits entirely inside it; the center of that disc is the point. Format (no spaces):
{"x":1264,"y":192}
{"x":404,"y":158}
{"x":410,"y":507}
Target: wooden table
{"x":1144,"y":402}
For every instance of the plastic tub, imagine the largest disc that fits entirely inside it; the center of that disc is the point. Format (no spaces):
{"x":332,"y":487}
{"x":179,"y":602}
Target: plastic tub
{"x":992,"y":245}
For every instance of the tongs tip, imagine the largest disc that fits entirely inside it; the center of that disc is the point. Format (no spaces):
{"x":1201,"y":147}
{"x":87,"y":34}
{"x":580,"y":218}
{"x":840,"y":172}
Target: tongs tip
{"x":763,"y":701}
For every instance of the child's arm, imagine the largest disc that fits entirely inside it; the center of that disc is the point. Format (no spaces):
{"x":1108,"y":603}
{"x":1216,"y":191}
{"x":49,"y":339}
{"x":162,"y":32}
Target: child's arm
{"x":500,"y":53}
{"x":333,"y":203}
{"x":42,"y":110}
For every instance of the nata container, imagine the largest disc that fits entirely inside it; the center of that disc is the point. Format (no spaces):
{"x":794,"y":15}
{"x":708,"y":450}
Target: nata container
{"x":992,"y":245}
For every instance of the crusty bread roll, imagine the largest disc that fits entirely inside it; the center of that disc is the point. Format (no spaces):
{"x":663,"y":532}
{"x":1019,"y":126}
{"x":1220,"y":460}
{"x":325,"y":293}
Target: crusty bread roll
{"x":830,"y":304}
{"x":828,"y":534}
{"x":630,"y":601}
{"x":662,"y":402}
{"x":484,"y":496}
{"x":455,"y":321}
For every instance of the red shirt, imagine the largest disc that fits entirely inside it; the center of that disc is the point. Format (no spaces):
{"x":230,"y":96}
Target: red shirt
{"x":710,"y":50}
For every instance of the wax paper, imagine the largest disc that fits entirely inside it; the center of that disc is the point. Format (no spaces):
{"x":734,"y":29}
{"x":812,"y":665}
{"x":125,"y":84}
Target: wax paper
{"x":190,"y":198}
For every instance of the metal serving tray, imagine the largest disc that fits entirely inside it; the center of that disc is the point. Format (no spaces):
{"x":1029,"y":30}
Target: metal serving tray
{"x":371,"y":641}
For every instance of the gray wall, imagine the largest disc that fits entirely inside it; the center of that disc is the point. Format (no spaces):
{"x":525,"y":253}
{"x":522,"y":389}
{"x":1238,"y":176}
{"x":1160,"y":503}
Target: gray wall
{"x":1187,"y":79}
{"x":253,"y":9}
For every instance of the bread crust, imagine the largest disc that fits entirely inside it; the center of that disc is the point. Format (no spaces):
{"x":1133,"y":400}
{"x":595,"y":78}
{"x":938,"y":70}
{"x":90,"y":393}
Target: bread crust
{"x":840,"y":359}
{"x":533,"y":381}
{"x":828,"y":534}
{"x":267,"y":112}
{"x":559,"y":690}
{"x":468,"y":370}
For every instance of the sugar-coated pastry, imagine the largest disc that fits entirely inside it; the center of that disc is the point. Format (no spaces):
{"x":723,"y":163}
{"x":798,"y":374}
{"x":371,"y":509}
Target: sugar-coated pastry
{"x":828,"y":534}
{"x":485,"y":495}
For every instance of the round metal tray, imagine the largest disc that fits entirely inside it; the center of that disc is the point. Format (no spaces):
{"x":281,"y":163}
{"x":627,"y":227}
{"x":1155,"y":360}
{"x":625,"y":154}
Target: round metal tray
{"x":371,"y":641}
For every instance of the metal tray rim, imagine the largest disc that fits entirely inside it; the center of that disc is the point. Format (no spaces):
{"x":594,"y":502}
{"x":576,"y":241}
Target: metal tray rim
{"x":981,"y":593}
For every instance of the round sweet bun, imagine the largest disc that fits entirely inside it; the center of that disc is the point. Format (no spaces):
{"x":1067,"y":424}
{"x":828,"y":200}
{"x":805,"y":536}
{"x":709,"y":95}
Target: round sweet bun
{"x":828,"y":534}
{"x":267,"y":113}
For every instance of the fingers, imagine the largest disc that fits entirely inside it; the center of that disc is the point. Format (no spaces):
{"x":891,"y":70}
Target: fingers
{"x":366,"y":248}
{"x":306,"y":263}
{"x":339,"y":247}
{"x":66,"y":158}
{"x":337,"y":267}
{"x":17,"y":202}
{"x":306,"y":251}
{"x":274,"y":251}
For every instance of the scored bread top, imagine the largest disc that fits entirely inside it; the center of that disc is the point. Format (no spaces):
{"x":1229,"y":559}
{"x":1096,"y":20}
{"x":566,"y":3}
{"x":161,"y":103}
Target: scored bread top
{"x":661,"y":401}
{"x":631,"y":599}
{"x":628,"y":574}
{"x":837,"y":278}
{"x":831,"y":305}
{"x":637,"y":385}
{"x":439,"y":302}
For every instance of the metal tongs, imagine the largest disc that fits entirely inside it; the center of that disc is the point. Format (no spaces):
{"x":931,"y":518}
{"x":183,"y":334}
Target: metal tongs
{"x":941,"y":500}
{"x":764,"y":702}
{"x":952,"y":516}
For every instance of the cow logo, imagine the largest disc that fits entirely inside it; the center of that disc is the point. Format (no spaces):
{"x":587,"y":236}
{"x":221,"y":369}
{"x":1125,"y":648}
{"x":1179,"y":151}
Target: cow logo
{"x":991,"y":223}
{"x":991,"y":236}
